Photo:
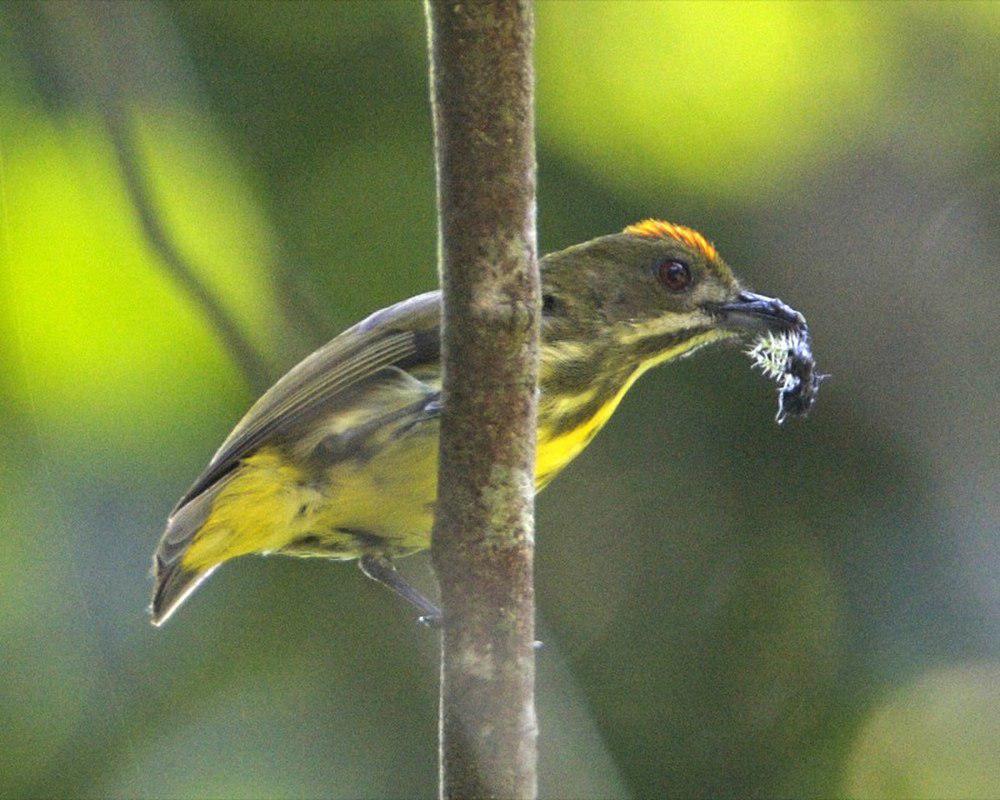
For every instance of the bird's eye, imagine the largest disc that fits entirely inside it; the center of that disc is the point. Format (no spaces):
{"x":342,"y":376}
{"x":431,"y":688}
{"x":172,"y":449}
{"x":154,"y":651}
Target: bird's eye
{"x":675,"y":275}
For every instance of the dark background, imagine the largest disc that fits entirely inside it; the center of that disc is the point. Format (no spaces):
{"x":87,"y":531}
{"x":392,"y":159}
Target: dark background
{"x":730,"y":608}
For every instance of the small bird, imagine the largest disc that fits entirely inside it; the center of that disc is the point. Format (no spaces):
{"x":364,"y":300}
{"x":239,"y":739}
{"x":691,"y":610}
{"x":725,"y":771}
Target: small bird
{"x":339,"y":458}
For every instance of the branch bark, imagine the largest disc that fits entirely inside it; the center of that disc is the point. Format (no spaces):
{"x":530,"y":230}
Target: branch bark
{"x":483,"y":539}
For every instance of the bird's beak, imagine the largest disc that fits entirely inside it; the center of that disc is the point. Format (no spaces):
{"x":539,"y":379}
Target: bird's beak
{"x":755,"y":314}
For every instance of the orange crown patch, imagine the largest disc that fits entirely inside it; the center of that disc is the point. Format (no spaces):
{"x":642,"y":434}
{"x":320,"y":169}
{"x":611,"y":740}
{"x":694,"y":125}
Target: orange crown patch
{"x":657,"y":229}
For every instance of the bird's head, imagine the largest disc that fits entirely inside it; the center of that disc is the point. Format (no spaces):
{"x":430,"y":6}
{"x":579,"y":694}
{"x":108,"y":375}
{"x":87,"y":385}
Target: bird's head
{"x":654,"y":289}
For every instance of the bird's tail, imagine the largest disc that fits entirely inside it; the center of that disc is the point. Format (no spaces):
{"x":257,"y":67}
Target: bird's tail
{"x":173,"y":586}
{"x":173,"y":581}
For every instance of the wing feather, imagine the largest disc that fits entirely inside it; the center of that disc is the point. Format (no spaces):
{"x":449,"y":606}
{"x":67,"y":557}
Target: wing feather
{"x":404,"y":335}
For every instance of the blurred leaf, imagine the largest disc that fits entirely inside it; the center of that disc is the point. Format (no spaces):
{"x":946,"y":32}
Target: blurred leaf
{"x":379,"y":248}
{"x":937,"y":737}
{"x":317,"y":28}
{"x":97,"y":323}
{"x":723,"y":98}
{"x":51,"y":672}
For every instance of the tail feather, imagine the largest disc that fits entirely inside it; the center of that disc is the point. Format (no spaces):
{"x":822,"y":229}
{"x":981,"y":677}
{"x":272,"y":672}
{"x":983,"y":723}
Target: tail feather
{"x":173,"y":582}
{"x":173,"y":586}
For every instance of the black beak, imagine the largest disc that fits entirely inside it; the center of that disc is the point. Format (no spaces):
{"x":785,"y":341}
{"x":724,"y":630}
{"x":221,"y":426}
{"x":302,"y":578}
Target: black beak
{"x":756,"y":314}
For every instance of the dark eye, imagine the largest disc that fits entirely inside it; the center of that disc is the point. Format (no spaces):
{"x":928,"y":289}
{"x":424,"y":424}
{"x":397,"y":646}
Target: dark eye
{"x":675,"y":275}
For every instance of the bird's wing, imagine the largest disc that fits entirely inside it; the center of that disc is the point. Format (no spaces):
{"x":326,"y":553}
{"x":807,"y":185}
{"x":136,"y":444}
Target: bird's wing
{"x":405,"y":337}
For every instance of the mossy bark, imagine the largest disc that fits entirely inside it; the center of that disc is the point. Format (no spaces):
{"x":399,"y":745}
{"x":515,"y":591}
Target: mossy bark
{"x":483,"y":539}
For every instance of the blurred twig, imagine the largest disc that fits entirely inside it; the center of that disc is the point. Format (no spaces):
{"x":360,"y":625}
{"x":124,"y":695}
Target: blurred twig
{"x":256,"y":370}
{"x":482,"y":98}
{"x":110,"y":55}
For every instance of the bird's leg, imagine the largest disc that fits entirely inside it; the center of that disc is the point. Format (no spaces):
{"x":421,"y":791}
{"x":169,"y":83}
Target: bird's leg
{"x":381,"y":569}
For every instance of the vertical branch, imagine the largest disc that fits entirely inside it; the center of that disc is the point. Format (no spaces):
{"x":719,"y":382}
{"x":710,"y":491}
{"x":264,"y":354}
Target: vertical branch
{"x":483,"y":540}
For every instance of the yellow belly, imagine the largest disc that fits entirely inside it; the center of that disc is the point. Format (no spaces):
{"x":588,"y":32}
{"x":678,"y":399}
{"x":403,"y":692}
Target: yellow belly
{"x":272,"y":505}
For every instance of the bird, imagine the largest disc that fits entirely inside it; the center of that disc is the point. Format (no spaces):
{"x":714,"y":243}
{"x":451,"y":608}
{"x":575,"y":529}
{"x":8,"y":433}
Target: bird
{"x":338,"y":459}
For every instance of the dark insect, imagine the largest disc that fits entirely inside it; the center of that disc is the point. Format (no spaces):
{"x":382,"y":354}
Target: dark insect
{"x":787,"y":358}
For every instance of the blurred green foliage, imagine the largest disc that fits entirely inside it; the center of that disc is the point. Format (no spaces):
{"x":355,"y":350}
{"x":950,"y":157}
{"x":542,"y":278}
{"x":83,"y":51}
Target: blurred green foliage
{"x":730,"y":609}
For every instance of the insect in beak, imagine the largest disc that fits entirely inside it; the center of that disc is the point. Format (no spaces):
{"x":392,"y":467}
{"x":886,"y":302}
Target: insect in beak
{"x":781,"y":348}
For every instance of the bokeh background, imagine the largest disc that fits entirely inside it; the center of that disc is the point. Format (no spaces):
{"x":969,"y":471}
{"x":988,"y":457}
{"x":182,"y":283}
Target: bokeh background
{"x":730,"y":608}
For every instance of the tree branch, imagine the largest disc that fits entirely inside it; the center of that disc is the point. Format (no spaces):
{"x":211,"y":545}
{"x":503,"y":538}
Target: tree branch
{"x":483,"y":540}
